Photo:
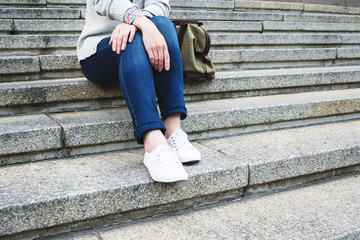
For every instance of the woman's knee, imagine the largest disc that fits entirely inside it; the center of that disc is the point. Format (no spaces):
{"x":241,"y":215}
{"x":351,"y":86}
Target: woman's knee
{"x":165,"y":26}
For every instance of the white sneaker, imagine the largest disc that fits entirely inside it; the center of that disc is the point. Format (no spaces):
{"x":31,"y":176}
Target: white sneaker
{"x":185,"y":151}
{"x":164,"y":166}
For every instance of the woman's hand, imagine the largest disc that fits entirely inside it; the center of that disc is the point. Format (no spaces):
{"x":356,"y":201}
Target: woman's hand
{"x":121,"y":35}
{"x":154,"y":43}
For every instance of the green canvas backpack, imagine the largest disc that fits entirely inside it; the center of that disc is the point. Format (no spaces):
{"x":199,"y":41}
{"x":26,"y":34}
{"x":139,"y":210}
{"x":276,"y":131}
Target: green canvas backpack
{"x":194,"y":44}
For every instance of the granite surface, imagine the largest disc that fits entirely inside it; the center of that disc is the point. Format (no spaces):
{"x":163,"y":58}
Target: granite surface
{"x":28,"y":133}
{"x":284,"y":38}
{"x":331,"y":9}
{"x":239,"y":112}
{"x":326,"y":6}
{"x":269,"y":5}
{"x":23,"y":2}
{"x":334,"y":18}
{"x":39,"y":13}
{"x":310,"y":26}
{"x":21,"y":64}
{"x":272,"y":55}
{"x":49,"y":25}
{"x":348,"y":52}
{"x":68,"y":190}
{"x":46,"y":91}
{"x":320,"y":211}
{"x":59,"y":62}
{"x":88,"y":235}
{"x":199,"y":4}
{"x":225,"y":26}
{"x":290,"y":153}
{"x":79,"y":2}
{"x":5,"y":25}
{"x":103,"y":126}
{"x":94,"y":127}
{"x":37,"y":41}
{"x":217,"y":15}
{"x":70,"y":62}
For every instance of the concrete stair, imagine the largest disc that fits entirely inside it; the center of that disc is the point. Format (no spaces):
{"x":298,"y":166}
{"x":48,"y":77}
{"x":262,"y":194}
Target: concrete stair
{"x":311,"y":212}
{"x":115,"y":187}
{"x":283,"y":110}
{"x":33,"y":48}
{"x":74,"y":133}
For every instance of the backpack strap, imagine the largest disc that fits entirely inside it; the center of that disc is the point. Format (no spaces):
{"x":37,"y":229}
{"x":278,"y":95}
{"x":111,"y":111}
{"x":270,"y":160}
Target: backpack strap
{"x":183,"y":27}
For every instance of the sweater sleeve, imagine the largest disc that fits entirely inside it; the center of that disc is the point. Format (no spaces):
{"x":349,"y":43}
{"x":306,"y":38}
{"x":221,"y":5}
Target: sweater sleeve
{"x":113,"y":9}
{"x":157,"y":7}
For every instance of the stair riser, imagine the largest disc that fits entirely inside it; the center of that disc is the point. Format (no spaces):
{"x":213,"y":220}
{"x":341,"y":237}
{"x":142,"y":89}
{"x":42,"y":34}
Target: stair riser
{"x":70,"y":95}
{"x":223,"y":171}
{"x":121,"y":199}
{"x":59,"y":65}
{"x":108,"y":133}
{"x":21,"y":27}
{"x":305,"y":6}
{"x":37,"y":44}
{"x":82,"y":3}
{"x":96,"y":104}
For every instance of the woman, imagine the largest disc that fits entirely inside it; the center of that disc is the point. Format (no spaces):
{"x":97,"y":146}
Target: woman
{"x":135,"y":44}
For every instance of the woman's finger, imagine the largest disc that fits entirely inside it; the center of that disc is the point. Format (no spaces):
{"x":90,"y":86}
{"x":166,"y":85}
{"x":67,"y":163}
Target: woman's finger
{"x":111,"y":39}
{"x":166,"y":59}
{"x":161,"y":59}
{"x":156,"y":59}
{"x":125,"y":37}
{"x":119,"y":42}
{"x":151,"y":56}
{"x":132,"y":34}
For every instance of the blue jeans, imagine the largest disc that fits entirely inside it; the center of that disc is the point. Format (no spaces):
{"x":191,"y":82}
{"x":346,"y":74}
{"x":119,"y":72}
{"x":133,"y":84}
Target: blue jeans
{"x":139,"y":82}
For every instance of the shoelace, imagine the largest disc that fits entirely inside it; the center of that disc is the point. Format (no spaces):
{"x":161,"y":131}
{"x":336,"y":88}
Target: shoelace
{"x":181,"y":141}
{"x":169,"y":159}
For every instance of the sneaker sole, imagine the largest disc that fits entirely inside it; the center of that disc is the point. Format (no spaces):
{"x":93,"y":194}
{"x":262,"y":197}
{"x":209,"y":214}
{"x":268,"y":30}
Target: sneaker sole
{"x":168,"y":180}
{"x":190,"y":161}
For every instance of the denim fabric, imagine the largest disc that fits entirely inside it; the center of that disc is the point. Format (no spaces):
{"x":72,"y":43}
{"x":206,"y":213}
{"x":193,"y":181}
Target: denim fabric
{"x":139,"y":82}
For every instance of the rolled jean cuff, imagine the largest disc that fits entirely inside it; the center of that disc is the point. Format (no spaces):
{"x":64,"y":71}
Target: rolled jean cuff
{"x":141,"y":130}
{"x":181,"y":110}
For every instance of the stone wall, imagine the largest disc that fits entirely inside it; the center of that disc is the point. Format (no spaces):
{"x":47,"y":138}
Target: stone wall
{"x":348,"y":3}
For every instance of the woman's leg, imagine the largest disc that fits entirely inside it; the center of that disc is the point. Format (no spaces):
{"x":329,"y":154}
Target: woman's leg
{"x":169,"y":84}
{"x":133,"y":70}
{"x":169,"y":90}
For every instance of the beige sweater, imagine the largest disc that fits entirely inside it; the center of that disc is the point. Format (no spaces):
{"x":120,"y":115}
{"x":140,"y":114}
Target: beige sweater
{"x":102,"y":16}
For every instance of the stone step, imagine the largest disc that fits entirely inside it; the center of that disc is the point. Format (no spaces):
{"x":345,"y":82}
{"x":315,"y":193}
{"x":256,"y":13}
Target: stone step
{"x":48,"y":26}
{"x":311,"y":26}
{"x":295,"y":6}
{"x":42,"y":3}
{"x":67,"y":13}
{"x":220,"y":15}
{"x":327,"y":18}
{"x":175,"y":4}
{"x":77,"y":133}
{"x":6,"y":25}
{"x":63,"y":65}
{"x":39,"y":13}
{"x":202,"y":4}
{"x":273,"y":55}
{"x":310,"y":212}
{"x":67,"y":26}
{"x":47,"y":96}
{"x":17,"y":44}
{"x":22,"y":2}
{"x":49,"y":197}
